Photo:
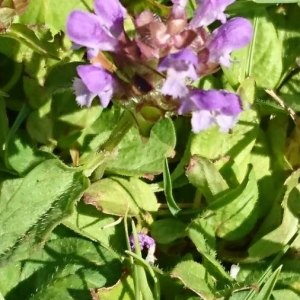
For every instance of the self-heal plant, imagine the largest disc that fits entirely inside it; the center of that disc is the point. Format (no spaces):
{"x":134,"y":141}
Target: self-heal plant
{"x":160,"y":66}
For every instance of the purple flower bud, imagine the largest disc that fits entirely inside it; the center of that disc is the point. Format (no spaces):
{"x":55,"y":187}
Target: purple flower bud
{"x":178,"y":10}
{"x":145,"y":241}
{"x":211,"y":107}
{"x":208,"y":11}
{"x":97,"y":32}
{"x":179,"y":66}
{"x":233,"y":35}
{"x":95,"y":81}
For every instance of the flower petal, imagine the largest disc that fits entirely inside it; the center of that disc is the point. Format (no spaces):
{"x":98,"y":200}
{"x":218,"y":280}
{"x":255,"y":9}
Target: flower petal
{"x":235,"y":34}
{"x":226,"y":122}
{"x":85,"y":29}
{"x":201,"y":120}
{"x":112,"y":15}
{"x":208,"y":11}
{"x":98,"y":81}
{"x":83,"y":96}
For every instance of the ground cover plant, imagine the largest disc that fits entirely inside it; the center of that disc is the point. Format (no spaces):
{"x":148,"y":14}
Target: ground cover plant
{"x":149,"y":149}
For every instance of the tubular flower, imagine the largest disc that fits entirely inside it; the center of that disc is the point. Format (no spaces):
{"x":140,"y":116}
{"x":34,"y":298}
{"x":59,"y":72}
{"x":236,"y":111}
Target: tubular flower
{"x":211,"y":107}
{"x":100,"y":31}
{"x":209,"y":11}
{"x":178,"y":66}
{"x":94,"y":81}
{"x":233,"y":35}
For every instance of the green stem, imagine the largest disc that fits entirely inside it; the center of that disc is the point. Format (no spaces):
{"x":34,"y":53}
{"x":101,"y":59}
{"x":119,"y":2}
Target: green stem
{"x":118,"y":132}
{"x":106,"y":151}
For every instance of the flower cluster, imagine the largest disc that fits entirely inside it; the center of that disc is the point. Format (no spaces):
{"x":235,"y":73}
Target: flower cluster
{"x":158,"y":65}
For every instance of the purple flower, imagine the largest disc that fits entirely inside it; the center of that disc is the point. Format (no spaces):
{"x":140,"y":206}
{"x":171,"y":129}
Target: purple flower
{"x":179,"y":66}
{"x":211,"y":107}
{"x":100,"y":31}
{"x":95,"y":81}
{"x":208,"y":11}
{"x":145,"y":241}
{"x":233,"y":35}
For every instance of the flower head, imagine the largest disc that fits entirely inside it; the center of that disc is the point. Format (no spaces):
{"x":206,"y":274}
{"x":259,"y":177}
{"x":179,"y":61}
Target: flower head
{"x":94,"y":81}
{"x":233,"y":35}
{"x":211,"y":107}
{"x":178,"y":66}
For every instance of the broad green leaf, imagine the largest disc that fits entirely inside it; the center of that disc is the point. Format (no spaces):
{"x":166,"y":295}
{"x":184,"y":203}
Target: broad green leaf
{"x":123,"y":289}
{"x":12,"y":48}
{"x":67,"y":268}
{"x":142,"y":158}
{"x":22,"y":157}
{"x":236,"y":210}
{"x":60,"y":77}
{"x":52,"y":13}
{"x":232,"y":150}
{"x":261,"y":160}
{"x":194,"y":277}
{"x":264,"y":66}
{"x":275,"y":240}
{"x":202,"y":235}
{"x":10,"y":277}
{"x":108,"y":230}
{"x":204,"y":175}
{"x":277,"y":135}
{"x":116,"y":196}
{"x":32,"y":206}
{"x":286,"y":22}
{"x":285,"y":294}
{"x":24,"y":35}
{"x":167,"y":230}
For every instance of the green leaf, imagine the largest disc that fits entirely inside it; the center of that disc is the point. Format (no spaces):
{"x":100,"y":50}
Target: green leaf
{"x":54,"y":13}
{"x":194,"y":277}
{"x":24,"y":35}
{"x":32,"y":206}
{"x":204,"y":175}
{"x":236,"y":210}
{"x":167,"y":230}
{"x":22,"y":157}
{"x":264,"y":66}
{"x":168,"y":191}
{"x":231,"y":150}
{"x":140,"y":158}
{"x":67,"y":268}
{"x":284,"y":294}
{"x":123,"y":289}
{"x":266,"y":291}
{"x":274,"y":241}
{"x":89,"y":222}
{"x":202,"y":235}
{"x":117,"y":195}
